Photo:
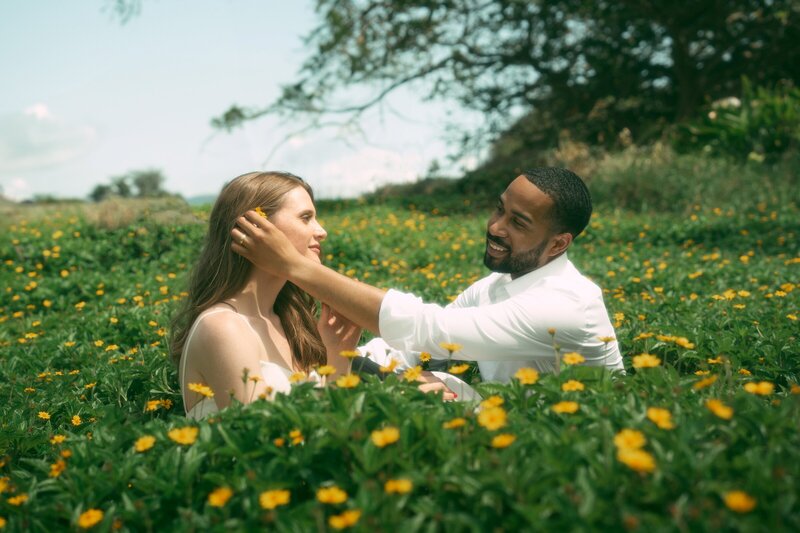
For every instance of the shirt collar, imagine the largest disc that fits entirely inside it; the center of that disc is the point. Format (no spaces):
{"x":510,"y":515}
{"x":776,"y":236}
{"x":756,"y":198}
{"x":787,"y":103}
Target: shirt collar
{"x":553,"y":268}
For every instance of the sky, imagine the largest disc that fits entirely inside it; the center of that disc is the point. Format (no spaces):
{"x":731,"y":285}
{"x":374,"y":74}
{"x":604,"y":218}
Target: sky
{"x":84,"y":98}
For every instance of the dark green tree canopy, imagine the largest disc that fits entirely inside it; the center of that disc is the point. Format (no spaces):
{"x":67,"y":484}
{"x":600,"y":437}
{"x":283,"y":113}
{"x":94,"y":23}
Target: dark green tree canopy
{"x":615,"y":63}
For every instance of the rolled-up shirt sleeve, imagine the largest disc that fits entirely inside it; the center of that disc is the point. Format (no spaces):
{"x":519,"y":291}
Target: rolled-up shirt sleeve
{"x":514,"y":329}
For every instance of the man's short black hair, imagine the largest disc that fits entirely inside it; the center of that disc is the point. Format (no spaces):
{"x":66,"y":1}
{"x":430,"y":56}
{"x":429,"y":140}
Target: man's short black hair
{"x":572,"y":204}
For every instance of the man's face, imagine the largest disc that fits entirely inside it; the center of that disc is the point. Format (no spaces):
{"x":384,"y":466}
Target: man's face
{"x":518,"y":235}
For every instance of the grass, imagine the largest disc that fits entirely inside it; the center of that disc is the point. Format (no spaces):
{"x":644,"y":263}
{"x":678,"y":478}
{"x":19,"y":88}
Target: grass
{"x":710,"y":290}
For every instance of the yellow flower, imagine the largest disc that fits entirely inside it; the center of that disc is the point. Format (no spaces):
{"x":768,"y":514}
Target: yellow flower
{"x":744,"y":372}
{"x":18,"y":500}
{"x":660,"y":417}
{"x":57,"y":468}
{"x":492,"y":401}
{"x":348,"y":381}
{"x":454,"y":423}
{"x":606,"y":339}
{"x":458,"y":369}
{"x":795,"y":388}
{"x":572,"y":385}
{"x":503,"y":440}
{"x":326,"y":370}
{"x":705,"y":382}
{"x":260,"y":212}
{"x":390,"y":367}
{"x":344,"y":520}
{"x":719,"y":409}
{"x":384,"y":437}
{"x":185,"y":435}
{"x":2,"y":522}
{"x":450,"y":346}
{"x":645,"y":360}
{"x":526,"y":376}
{"x":76,"y":420}
{"x":297,"y":436}
{"x":279,"y":442}
{"x":3,"y":484}
{"x":44,"y":415}
{"x":566,"y":407}
{"x":90,"y":518}
{"x":412,"y":374}
{"x":144,"y":443}
{"x":424,"y":357}
{"x":398,"y":486}
{"x":58,"y":439}
{"x":573,"y":358}
{"x":219,"y":497}
{"x":492,"y":418}
{"x":715,"y":360}
{"x":152,"y":405}
{"x":199,"y":388}
{"x":270,"y":499}
{"x":636,"y":459}
{"x":629,"y":438}
{"x":739,"y":501}
{"x":349,"y":354}
{"x":331,"y":495}
{"x":297,"y":377}
{"x":762,"y":388}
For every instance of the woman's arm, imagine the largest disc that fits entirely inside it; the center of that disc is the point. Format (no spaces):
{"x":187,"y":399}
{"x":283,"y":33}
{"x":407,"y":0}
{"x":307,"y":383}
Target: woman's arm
{"x":268,"y":248}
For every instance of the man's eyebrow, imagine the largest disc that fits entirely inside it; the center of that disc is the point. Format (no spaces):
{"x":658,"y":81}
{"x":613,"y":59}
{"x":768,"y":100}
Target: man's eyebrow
{"x":523,"y":216}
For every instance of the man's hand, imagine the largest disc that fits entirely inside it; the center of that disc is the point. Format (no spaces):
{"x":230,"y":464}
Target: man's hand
{"x":258,"y":240}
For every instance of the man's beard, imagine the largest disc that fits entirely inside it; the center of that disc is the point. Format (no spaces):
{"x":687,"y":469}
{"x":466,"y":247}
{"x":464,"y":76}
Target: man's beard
{"x":513,"y":263}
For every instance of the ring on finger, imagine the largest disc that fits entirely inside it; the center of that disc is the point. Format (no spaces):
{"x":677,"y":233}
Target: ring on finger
{"x":242,"y":240}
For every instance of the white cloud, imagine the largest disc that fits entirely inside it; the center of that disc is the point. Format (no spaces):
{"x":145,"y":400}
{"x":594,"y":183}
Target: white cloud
{"x":15,"y":188}
{"x":365,"y":170}
{"x":36,"y":139}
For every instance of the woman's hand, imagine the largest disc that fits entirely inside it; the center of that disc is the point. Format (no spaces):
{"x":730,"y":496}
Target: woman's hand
{"x":338,"y":334}
{"x":257,"y":239}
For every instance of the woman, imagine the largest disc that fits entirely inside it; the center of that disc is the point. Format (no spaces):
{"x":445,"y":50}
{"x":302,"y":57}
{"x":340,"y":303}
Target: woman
{"x":243,"y":332}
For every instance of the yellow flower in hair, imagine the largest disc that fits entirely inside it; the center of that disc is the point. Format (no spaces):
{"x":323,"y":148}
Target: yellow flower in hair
{"x":260,"y":212}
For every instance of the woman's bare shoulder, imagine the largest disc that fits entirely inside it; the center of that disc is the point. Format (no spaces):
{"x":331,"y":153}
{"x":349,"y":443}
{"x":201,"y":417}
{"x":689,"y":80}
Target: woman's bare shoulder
{"x":219,"y":328}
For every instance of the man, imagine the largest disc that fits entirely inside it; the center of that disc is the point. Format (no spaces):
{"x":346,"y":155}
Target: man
{"x":534,"y":298}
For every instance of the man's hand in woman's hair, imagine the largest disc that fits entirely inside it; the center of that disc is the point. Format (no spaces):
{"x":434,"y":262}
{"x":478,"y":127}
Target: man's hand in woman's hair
{"x":263,"y":244}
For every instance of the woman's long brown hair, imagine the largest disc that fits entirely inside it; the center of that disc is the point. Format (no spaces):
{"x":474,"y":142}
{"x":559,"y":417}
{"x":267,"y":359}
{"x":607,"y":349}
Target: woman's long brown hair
{"x":220,"y":273}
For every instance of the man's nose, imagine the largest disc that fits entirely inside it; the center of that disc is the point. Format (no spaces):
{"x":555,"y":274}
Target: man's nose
{"x":497,"y":227}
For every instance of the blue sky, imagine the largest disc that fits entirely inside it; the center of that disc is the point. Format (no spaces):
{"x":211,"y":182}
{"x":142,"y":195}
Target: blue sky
{"x":85,"y":98}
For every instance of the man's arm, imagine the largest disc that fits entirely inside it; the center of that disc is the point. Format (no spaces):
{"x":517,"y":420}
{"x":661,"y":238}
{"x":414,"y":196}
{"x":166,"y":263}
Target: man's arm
{"x":268,"y":248}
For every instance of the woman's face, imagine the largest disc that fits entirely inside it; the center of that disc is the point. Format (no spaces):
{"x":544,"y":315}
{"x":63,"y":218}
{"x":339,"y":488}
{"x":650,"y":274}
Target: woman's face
{"x":297,"y":218}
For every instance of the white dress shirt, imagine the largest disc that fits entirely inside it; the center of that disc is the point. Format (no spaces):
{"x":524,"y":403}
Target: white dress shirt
{"x":504,"y":324}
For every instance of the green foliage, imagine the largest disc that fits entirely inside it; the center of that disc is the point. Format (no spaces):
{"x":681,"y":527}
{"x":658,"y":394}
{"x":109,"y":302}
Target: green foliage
{"x":594,"y":68}
{"x":83,"y":325}
{"x":763,"y":126}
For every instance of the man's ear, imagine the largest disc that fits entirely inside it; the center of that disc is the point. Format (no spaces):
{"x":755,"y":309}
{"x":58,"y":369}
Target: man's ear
{"x":559,"y":244}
